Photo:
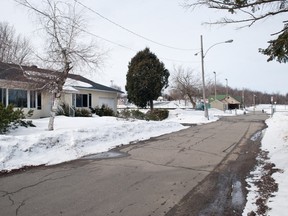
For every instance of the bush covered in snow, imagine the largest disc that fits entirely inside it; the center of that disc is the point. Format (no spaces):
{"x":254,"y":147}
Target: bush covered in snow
{"x":103,"y":111}
{"x":154,"y":115}
{"x":157,"y":114}
{"x":65,"y":110}
{"x":83,"y":113}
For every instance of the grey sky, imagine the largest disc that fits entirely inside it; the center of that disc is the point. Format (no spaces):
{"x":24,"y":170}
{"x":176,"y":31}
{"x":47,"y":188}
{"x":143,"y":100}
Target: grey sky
{"x":166,"y":22}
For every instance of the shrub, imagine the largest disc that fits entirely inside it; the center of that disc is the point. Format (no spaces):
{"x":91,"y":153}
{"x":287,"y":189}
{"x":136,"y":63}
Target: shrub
{"x":63,"y":110}
{"x":126,"y":113}
{"x":103,"y":111}
{"x":13,"y":118}
{"x":137,"y":114}
{"x":157,"y":114}
{"x":83,"y":113}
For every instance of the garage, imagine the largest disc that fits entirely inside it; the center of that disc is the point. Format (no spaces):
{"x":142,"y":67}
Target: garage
{"x":110,"y":102}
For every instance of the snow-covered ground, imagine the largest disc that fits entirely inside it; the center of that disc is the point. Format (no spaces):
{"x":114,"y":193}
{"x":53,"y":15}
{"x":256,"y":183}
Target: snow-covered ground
{"x":275,"y":141}
{"x":74,"y":138}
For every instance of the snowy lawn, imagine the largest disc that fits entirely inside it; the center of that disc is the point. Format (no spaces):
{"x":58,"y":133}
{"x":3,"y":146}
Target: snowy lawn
{"x":74,"y":138}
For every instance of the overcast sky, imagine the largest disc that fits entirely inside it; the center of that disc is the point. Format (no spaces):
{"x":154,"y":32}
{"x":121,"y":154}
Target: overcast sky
{"x":166,"y":22}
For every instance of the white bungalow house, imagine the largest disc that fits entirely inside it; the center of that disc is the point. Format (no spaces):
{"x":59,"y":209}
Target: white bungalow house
{"x":25,"y":87}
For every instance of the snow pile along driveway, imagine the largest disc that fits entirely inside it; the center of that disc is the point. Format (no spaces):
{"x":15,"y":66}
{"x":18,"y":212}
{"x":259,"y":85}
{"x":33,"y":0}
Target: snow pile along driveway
{"x":275,"y":149}
{"x":73,"y":138}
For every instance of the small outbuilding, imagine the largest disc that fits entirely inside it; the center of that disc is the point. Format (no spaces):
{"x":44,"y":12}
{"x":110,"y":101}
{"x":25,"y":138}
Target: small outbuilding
{"x":224,"y":102}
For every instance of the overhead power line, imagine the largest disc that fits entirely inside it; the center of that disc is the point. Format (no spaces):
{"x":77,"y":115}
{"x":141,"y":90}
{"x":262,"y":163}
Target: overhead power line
{"x":107,"y":40}
{"x":132,"y":32}
{"x":128,"y":48}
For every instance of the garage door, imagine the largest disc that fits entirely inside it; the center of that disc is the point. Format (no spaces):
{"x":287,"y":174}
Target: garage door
{"x":107,"y":101}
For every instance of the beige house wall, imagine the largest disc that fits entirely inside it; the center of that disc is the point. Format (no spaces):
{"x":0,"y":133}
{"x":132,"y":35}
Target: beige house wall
{"x":223,"y":104}
{"x":45,"y":107}
{"x":46,"y":99}
{"x":16,"y":79}
{"x":217,"y":105}
{"x":46,"y":104}
{"x":98,"y":97}
{"x":102,"y":96}
{"x":67,"y":98}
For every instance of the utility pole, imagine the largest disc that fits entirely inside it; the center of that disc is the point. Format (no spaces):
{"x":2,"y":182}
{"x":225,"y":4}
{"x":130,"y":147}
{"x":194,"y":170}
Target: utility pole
{"x":243,"y":99}
{"x":215,"y":86}
{"x":226,"y":87}
{"x":203,"y":80}
{"x":203,"y":76}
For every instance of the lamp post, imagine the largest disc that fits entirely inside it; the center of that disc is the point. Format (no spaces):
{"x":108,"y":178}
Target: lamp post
{"x":215,"y":86}
{"x":226,"y":87}
{"x":254,"y":102}
{"x":203,"y":76}
{"x":243,"y":99}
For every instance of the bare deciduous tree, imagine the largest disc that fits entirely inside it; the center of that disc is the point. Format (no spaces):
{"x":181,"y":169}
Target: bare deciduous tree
{"x":252,"y":11}
{"x":65,"y":49}
{"x":175,"y":94}
{"x":13,"y":48}
{"x":187,"y":82}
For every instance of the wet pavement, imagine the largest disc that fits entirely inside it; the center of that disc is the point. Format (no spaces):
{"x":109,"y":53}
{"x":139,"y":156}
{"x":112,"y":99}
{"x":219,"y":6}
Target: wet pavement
{"x":104,"y":155}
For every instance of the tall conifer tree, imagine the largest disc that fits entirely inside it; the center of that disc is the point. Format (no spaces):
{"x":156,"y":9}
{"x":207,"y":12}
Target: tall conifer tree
{"x":146,"y":78}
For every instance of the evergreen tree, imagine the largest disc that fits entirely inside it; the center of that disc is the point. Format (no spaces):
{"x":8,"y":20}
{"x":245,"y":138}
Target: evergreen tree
{"x":146,"y":78}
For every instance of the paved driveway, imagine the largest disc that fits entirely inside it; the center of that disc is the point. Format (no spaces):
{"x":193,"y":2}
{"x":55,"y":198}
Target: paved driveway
{"x":153,"y":176}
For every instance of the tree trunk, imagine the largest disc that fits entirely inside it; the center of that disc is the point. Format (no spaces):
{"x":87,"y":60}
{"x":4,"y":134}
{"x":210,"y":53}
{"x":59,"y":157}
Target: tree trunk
{"x":54,"y":109}
{"x":192,"y":101}
{"x":60,"y":83}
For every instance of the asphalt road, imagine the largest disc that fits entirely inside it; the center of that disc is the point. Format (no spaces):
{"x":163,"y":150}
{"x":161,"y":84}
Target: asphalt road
{"x":149,"y":180}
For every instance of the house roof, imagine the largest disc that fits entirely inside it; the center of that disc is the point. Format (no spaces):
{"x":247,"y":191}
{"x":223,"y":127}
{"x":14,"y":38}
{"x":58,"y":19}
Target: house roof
{"x":38,"y":77}
{"x":218,"y":97}
{"x":92,"y":84}
{"x":224,"y":98}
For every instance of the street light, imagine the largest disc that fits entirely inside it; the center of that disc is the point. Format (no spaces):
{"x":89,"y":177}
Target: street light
{"x":215,"y":85}
{"x":226,"y":87}
{"x":254,"y":102}
{"x":203,"y":77}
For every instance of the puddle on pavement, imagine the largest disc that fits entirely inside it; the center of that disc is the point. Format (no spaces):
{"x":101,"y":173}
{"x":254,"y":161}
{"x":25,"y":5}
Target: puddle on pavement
{"x":237,"y":194}
{"x":257,"y":136}
{"x":104,"y":155}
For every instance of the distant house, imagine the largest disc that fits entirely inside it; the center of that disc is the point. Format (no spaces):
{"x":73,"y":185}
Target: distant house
{"x":25,"y":87}
{"x":224,"y":102}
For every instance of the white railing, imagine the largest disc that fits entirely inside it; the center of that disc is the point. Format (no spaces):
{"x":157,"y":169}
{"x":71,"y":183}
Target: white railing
{"x":72,"y":111}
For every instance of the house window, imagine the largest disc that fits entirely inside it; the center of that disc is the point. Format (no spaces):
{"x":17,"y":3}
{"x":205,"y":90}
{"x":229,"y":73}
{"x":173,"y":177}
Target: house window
{"x":81,"y":100}
{"x":3,"y":96}
{"x":39,"y":102}
{"x":32,"y":99}
{"x":17,"y":97}
{"x":90,"y":100}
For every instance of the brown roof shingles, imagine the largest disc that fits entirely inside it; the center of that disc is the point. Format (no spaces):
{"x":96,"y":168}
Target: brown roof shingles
{"x":37,"y":77}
